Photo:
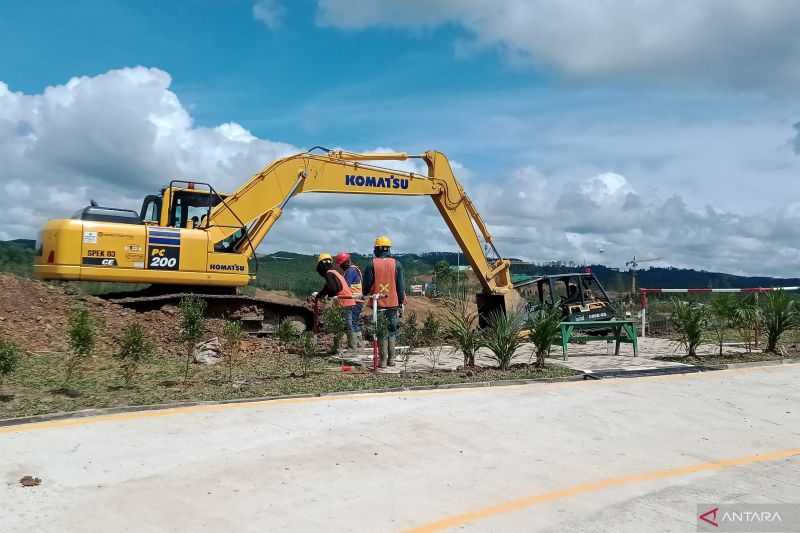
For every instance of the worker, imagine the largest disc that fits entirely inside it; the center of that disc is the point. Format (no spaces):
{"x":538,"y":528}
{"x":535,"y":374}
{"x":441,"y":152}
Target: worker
{"x":384,"y":277}
{"x":353,"y":277}
{"x":335,"y":284}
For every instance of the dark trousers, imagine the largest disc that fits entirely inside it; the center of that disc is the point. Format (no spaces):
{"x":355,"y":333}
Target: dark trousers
{"x":353,"y":317}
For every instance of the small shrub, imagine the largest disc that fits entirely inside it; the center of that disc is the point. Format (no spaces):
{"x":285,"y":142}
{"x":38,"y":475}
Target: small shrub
{"x":444,"y":277}
{"x":82,"y":337}
{"x":192,"y":311}
{"x":780,"y":314}
{"x":722,"y":309}
{"x":502,"y":336}
{"x":134,"y":347}
{"x":232,"y":333}
{"x":410,"y":337}
{"x":747,"y":319}
{"x":544,"y":328}
{"x":462,"y":322}
{"x":334,"y":322}
{"x":308,"y":349}
{"x":409,"y":330}
{"x":691,"y":322}
{"x":286,"y":331}
{"x":431,"y":335}
{"x":9,"y":358}
{"x":379,"y":331}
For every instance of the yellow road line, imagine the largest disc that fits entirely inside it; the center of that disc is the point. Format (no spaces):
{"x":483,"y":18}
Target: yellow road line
{"x":596,"y":486}
{"x":209,"y":408}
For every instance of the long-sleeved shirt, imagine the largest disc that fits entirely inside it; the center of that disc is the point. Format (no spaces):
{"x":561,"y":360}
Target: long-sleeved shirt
{"x":399,"y":280}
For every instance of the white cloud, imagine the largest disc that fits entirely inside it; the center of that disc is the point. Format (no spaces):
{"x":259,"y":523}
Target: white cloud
{"x":120,"y":135}
{"x":581,"y":217}
{"x":113,"y":138}
{"x":741,"y":41}
{"x":269,"y":12}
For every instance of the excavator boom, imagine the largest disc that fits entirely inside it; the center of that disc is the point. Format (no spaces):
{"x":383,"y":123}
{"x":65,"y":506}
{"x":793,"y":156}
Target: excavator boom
{"x":261,"y":200}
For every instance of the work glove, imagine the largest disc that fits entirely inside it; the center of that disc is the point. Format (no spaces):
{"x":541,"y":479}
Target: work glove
{"x":402,"y":311}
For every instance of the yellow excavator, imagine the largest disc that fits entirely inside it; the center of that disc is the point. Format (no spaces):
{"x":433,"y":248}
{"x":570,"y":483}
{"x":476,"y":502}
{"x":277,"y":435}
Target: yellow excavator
{"x":194,"y":239}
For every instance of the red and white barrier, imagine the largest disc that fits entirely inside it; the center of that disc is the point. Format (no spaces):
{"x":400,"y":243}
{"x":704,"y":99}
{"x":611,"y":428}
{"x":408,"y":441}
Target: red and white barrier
{"x":644,"y":292}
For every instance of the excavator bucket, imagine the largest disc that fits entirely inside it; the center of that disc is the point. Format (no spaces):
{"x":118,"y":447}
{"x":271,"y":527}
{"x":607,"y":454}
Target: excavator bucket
{"x":509,"y":302}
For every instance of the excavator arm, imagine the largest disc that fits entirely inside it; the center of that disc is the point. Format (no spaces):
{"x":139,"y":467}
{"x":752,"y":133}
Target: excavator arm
{"x":258,"y":204}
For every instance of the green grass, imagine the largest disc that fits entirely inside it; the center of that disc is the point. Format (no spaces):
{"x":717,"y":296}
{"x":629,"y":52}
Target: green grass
{"x":35,"y":386}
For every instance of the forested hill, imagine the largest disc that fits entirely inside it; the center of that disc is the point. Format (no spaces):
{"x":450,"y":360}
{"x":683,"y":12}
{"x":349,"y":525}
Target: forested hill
{"x":613,"y":279}
{"x":295,"y":272}
{"x":17,"y":256}
{"x":663,"y":278}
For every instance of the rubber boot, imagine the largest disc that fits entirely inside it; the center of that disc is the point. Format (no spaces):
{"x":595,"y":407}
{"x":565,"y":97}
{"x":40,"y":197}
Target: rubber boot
{"x":383,"y":349}
{"x":390,"y":358}
{"x":352,"y":340}
{"x":359,"y":339}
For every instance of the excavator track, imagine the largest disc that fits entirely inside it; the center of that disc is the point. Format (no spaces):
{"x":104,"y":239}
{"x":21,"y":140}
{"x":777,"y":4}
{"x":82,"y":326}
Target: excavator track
{"x":257,"y":316}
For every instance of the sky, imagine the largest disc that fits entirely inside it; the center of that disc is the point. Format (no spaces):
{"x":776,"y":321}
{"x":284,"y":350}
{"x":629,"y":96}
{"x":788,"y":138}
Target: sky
{"x":583,"y":132}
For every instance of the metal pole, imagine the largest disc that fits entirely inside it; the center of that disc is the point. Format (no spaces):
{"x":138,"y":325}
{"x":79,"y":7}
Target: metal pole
{"x":644,"y":322}
{"x":643,"y":313}
{"x":375,"y":357}
{"x":458,"y":271}
{"x":755,"y":329}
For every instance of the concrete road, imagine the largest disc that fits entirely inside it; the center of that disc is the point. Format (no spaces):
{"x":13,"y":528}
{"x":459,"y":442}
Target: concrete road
{"x":614,"y":455}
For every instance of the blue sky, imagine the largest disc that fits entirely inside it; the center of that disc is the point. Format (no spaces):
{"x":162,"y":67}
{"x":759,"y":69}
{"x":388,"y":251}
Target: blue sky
{"x":649,"y":128}
{"x":227,"y":66}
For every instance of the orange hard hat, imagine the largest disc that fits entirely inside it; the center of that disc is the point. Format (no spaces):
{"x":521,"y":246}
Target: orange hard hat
{"x":341,"y":257}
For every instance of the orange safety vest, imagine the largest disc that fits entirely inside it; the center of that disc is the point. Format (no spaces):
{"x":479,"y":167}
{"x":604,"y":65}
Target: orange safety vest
{"x":385,"y":281}
{"x":356,"y":288}
{"x":345,"y":295}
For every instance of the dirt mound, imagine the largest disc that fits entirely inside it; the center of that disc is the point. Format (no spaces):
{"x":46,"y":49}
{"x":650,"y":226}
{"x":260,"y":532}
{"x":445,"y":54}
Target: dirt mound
{"x":36,"y":316}
{"x":419,"y":304}
{"x":423,"y":305}
{"x":280,"y":297}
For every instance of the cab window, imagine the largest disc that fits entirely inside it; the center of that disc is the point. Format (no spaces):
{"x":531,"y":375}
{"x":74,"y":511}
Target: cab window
{"x":189,"y":208}
{"x":151,"y":210}
{"x":229,"y":245}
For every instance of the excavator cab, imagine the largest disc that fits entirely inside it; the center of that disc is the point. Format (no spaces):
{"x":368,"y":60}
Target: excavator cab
{"x":188,"y":205}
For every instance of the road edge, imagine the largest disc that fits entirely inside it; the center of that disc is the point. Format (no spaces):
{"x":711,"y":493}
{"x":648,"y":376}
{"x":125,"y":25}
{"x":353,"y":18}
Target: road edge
{"x":88,"y":413}
{"x":581,"y":376}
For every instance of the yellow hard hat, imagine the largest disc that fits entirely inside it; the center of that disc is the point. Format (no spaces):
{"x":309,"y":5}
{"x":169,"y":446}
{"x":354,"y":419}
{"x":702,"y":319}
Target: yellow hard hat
{"x":324,"y":257}
{"x":383,"y":240}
